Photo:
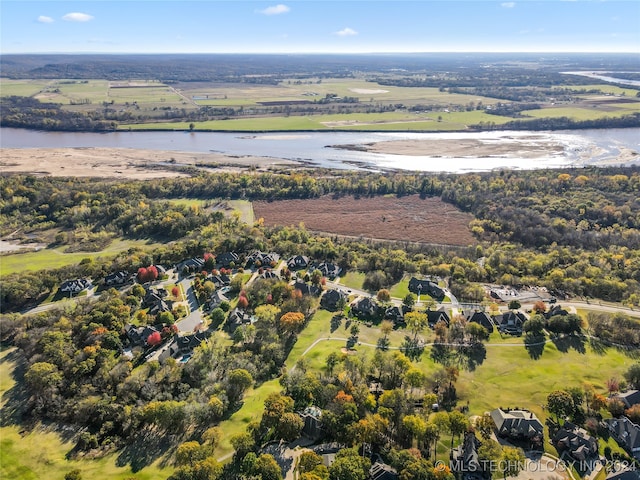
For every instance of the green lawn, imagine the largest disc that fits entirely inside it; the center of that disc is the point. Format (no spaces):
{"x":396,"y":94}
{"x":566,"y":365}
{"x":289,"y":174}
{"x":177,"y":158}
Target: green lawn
{"x":56,"y":258}
{"x":245,"y":208}
{"x":40,"y":453}
{"x":400,"y":289}
{"x":251,"y":410}
{"x":576,"y":113}
{"x":353,"y":280}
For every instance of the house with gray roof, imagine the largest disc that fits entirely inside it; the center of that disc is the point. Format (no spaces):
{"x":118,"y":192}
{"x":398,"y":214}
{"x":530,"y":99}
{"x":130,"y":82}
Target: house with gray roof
{"x":422,"y":287}
{"x":575,"y":441}
{"x":629,"y":398}
{"x":626,"y":433}
{"x":517,"y":424}
{"x":465,"y":460}
{"x":481,"y":318}
{"x":75,"y":286}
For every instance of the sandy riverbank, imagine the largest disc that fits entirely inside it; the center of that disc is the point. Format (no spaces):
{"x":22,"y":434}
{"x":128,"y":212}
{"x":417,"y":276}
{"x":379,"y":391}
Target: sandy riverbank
{"x":124,"y":163}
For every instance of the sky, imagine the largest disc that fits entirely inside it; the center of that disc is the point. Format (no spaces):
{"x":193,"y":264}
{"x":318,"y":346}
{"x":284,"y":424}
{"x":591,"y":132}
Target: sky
{"x":318,"y":26}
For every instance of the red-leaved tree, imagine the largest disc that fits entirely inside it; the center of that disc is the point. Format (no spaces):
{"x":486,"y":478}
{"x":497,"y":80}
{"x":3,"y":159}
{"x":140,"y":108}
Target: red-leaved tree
{"x":154,"y":339}
{"x":175,"y":291}
{"x":243,"y":302}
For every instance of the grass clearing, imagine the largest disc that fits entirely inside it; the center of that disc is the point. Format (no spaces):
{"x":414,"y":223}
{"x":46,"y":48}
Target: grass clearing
{"x":575,"y":113}
{"x":251,"y":410}
{"x":245,"y":207}
{"x":353,"y":280}
{"x":400,"y":289}
{"x":55,"y":257}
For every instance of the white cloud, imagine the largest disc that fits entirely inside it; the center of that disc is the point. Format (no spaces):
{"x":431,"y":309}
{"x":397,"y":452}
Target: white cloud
{"x":508,"y":4}
{"x":45,"y":19}
{"x":346,"y":32}
{"x":77,"y":17}
{"x":275,"y":10}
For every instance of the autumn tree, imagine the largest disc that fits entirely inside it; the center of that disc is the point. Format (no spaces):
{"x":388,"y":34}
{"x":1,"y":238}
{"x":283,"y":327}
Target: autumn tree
{"x":383,"y":295}
{"x":291,"y":322}
{"x":416,"y":322}
{"x":154,"y":339}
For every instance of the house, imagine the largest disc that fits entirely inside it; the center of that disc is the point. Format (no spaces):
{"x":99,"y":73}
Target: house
{"x":510,"y":322}
{"x":332,"y":299}
{"x":220,"y":280}
{"x":312,"y":418}
{"x":75,"y":286}
{"x":481,"y":318}
{"x":626,"y":433}
{"x":298,"y":262}
{"x":395,"y":314}
{"x":422,"y":287}
{"x":555,"y":311}
{"x":190,"y":265}
{"x":216,"y":299}
{"x":261,"y":259}
{"x":629,"y":398}
{"x":238,"y":317}
{"x":307,"y":288}
{"x":365,"y":308}
{"x":329,"y":270}
{"x":435,"y":316}
{"x":117,"y":278}
{"x":228,"y":259}
{"x":138,"y":335}
{"x":517,"y":424}
{"x":155,"y":301}
{"x":464,"y":458}
{"x":382,"y":471}
{"x":269,"y":275}
{"x":181,"y":346}
{"x":575,"y":441}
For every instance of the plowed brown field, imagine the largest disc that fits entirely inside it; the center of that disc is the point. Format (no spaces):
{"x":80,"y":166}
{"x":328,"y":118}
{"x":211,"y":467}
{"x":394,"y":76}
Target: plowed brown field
{"x":410,"y":218}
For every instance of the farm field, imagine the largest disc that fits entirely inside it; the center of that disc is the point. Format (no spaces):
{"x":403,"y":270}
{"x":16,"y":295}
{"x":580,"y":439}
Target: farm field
{"x":407,"y":218}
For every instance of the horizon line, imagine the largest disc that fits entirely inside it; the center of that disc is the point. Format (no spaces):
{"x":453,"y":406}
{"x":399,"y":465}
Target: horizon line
{"x":407,"y":52}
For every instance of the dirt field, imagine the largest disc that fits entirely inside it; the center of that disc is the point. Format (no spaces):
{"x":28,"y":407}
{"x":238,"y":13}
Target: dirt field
{"x":388,"y":218}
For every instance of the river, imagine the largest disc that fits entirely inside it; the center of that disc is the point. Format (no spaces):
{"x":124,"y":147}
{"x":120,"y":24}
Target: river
{"x":575,"y":148}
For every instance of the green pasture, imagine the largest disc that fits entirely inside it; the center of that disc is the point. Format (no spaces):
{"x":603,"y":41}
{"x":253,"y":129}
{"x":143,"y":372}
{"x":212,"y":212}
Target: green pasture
{"x":352,"y":279}
{"x":157,"y":95}
{"x":21,"y":88}
{"x":604,"y":88}
{"x":576,"y":113}
{"x":40,"y":452}
{"x":55,"y":257}
{"x":251,"y":410}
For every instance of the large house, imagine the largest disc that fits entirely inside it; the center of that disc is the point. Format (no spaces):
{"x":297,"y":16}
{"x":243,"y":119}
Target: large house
{"x":75,"y":286}
{"x":332,"y":299}
{"x":329,"y":270}
{"x":422,"y":287}
{"x":154,"y":300}
{"x":228,"y":259}
{"x":307,"y":288}
{"x":365,"y":308}
{"x":629,"y":398}
{"x":626,"y":433}
{"x":382,"y":471}
{"x":481,"y":318}
{"x":190,"y":265}
{"x":216,"y":299}
{"x":517,"y":424}
{"x":298,"y":262}
{"x":238,"y":317}
{"x":312,"y":418}
{"x":261,"y":259}
{"x":117,"y":278}
{"x":464,"y":458}
{"x":181,"y":346}
{"x":510,"y":322}
{"x":575,"y":441}
{"x":138,"y":335}
{"x":435,"y":316}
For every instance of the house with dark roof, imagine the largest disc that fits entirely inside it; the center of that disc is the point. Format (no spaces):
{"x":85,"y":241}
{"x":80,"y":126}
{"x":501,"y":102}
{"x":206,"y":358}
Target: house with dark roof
{"x":629,"y":398}
{"x":216,"y":299}
{"x":117,"y":278}
{"x":312,"y":418}
{"x":464,"y":458}
{"x":555,"y":311}
{"x":329,"y":270}
{"x":626,"y":433}
{"x":575,"y":441}
{"x":269,"y":275}
{"x":395,"y":314}
{"x":307,"y":288}
{"x":238,"y":317}
{"x":365,"y":308}
{"x":332,"y":299}
{"x":227,"y":259}
{"x":481,"y":318}
{"x":181,"y":346}
{"x":261,"y":259}
{"x":298,"y":262}
{"x":435,"y":316}
{"x":75,"y":286}
{"x":422,"y":287}
{"x":382,"y":471}
{"x":510,"y":322}
{"x":220,"y":280}
{"x":138,"y":335}
{"x":154,"y":300}
{"x":517,"y":424}
{"x":190,"y":265}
